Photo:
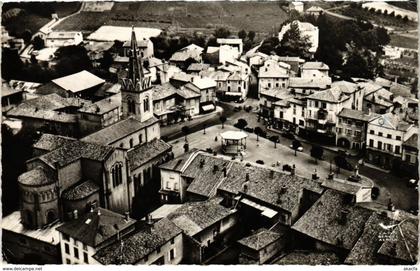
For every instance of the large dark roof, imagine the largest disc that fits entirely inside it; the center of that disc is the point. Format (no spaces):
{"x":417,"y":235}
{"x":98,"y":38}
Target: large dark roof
{"x":74,"y":151}
{"x":403,"y":242}
{"x":206,"y":178}
{"x":179,"y":162}
{"x":260,"y":239}
{"x":118,"y":130}
{"x":357,"y":115}
{"x":37,"y":176}
{"x":138,"y":245}
{"x":49,"y":142}
{"x":365,"y":250}
{"x":322,"y":220}
{"x":80,"y":191}
{"x":309,"y":258}
{"x":194,"y":217}
{"x":147,"y":151}
{"x":95,"y":227}
{"x":270,"y":186}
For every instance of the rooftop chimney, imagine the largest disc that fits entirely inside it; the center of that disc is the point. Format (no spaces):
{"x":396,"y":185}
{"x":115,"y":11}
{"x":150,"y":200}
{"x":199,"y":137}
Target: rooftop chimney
{"x":293,"y":171}
{"x":127,"y":216}
{"x":149,"y":220}
{"x":391,"y":206}
{"x":247,"y":177}
{"x":201,"y":163}
{"x":315,"y":175}
{"x":224,"y":172}
{"x":272,"y":174}
{"x":99,"y":212}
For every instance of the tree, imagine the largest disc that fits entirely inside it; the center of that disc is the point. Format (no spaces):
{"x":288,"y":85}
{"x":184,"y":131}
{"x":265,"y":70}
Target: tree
{"x":221,"y":32}
{"x":223,"y":119}
{"x":293,"y":43}
{"x":11,"y":64}
{"x":392,"y":14}
{"x":251,"y":35}
{"x":241,"y":124}
{"x":72,"y":59}
{"x":405,"y":19}
{"x":38,"y":43}
{"x":258,"y":131}
{"x":242,"y":34}
{"x":295,"y":145}
{"x":382,"y":36}
{"x":317,"y":152}
{"x":268,"y":46}
{"x":275,"y":139}
{"x":185,"y":130}
{"x":375,"y":193}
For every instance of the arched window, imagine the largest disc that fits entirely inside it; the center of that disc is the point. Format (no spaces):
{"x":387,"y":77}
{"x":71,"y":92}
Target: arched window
{"x":131,"y":143}
{"x":146,"y":104}
{"x":116,"y":173}
{"x":51,"y":217}
{"x":131,"y":106}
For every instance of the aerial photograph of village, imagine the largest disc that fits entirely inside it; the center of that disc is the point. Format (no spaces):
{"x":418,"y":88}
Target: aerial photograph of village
{"x":209,"y":133}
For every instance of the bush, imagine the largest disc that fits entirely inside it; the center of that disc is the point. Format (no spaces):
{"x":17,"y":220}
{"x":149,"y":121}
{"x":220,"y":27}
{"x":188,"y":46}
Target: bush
{"x":249,"y":129}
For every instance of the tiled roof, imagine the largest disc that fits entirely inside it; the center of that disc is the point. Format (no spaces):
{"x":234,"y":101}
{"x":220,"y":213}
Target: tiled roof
{"x":412,"y":141}
{"x":62,"y":35}
{"x":181,"y":76}
{"x":345,"y":86}
{"x":278,"y":93}
{"x":194,"y":217}
{"x":403,"y":242}
{"x":274,"y":69}
{"x":95,"y":227}
{"x":391,"y":121}
{"x":37,"y":176}
{"x":365,"y":250}
{"x":186,"y":53}
{"x":401,"y":90}
{"x":322,"y":220}
{"x":270,"y":186}
{"x":179,"y":162}
{"x":187,"y":93}
{"x":329,"y":95}
{"x":309,"y":258}
{"x":103,"y":106}
{"x":118,"y":130}
{"x":141,"y":43}
{"x":49,"y":142}
{"x":147,"y":151}
{"x":207,"y":177}
{"x":198,"y":67}
{"x":74,"y":151}
{"x":315,"y":66}
{"x":299,"y":82}
{"x":260,"y":239}
{"x":80,"y":191}
{"x":44,"y":107}
{"x":163,"y":91}
{"x":357,"y":114}
{"x":343,"y":186}
{"x":135,"y":247}
{"x":291,"y":59}
{"x":79,"y":81}
{"x":203,"y":83}
{"x":229,"y":41}
{"x":369,"y":87}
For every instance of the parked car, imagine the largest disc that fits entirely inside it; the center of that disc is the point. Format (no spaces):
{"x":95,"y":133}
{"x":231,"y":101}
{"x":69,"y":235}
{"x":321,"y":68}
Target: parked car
{"x":261,"y":162}
{"x":274,"y":138}
{"x":288,"y":135}
{"x":237,"y":108}
{"x":287,"y":167}
{"x":249,"y":129}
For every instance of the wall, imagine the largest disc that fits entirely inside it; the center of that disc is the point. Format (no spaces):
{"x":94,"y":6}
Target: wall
{"x":70,"y":258}
{"x":82,"y":205}
{"x":309,"y":73}
{"x":271,"y":250}
{"x":172,"y":181}
{"x":69,"y":175}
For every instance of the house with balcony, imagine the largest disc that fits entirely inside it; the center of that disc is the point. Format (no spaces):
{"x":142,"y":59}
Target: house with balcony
{"x":385,"y":138}
{"x":351,"y":128}
{"x":321,"y":112}
{"x":268,"y":98}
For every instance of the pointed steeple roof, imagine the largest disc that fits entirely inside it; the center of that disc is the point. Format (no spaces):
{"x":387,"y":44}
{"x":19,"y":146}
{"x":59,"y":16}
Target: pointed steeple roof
{"x":135,"y":72}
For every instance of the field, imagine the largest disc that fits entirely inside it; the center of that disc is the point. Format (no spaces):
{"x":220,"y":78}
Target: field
{"x":401,"y":41}
{"x":34,"y":15}
{"x":256,"y":16}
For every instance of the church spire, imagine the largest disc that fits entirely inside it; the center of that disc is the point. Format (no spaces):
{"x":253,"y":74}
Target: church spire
{"x":135,"y":72}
